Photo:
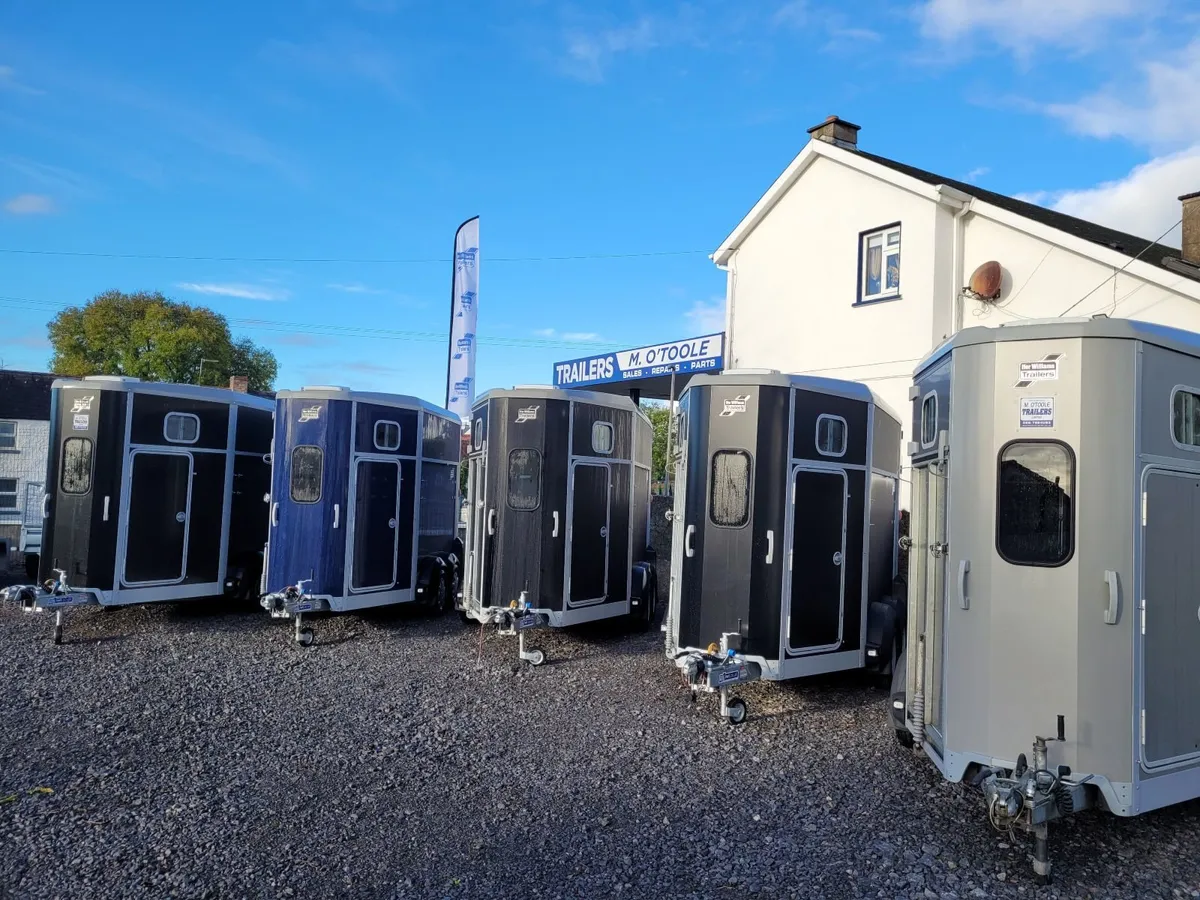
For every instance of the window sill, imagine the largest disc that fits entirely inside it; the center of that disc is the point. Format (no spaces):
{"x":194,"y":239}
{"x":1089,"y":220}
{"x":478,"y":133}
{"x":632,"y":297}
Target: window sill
{"x":876,"y":300}
{"x":10,"y":449}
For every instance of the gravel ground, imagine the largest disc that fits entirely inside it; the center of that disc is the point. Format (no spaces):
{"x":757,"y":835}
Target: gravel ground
{"x":192,"y":750}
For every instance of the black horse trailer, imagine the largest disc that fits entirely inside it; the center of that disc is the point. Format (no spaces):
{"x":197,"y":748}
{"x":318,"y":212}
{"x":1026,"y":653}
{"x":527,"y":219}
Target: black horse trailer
{"x":784,"y":531}
{"x":153,"y":492}
{"x":558,"y":520}
{"x":364,"y":504}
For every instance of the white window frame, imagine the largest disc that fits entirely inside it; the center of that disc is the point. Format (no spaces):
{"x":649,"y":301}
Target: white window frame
{"x":1175,"y":392}
{"x":375,"y":435}
{"x":14,"y":446}
{"x":612,"y":438}
{"x":885,"y":293}
{"x":16,"y":494}
{"x":845,"y":435}
{"x":182,"y":415}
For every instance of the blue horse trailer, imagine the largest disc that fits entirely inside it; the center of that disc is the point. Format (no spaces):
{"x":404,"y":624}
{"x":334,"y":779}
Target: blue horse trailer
{"x":364,"y":504}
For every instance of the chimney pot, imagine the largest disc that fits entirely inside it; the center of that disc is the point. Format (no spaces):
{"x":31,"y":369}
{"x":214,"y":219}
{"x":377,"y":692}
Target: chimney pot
{"x":836,"y":131}
{"x":239,"y":383}
{"x":1190,"y":248}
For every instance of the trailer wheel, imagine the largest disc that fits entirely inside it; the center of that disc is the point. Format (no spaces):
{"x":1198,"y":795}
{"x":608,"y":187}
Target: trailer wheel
{"x":304,"y":637}
{"x":737,"y":711}
{"x":904,"y":738}
{"x":536,"y":657}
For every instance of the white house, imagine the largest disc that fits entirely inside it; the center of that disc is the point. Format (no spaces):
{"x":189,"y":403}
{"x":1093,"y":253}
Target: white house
{"x":24,"y":448}
{"x":854,"y":266}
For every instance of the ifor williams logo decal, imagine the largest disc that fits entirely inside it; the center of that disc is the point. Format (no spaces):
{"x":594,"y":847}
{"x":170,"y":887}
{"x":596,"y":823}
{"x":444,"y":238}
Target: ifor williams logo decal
{"x":82,"y":404}
{"x":527,"y":414}
{"x":310,"y":413}
{"x":735,"y":406}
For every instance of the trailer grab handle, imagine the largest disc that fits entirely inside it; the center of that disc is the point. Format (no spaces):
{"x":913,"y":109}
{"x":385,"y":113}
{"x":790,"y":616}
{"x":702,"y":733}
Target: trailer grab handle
{"x":45,"y":506}
{"x":491,"y":522}
{"x":964,"y":567}
{"x":275,"y":513}
{"x":337,"y":514}
{"x":770,"y":546}
{"x":1114,"y":597}
{"x":555,"y":532}
{"x":687,"y":541}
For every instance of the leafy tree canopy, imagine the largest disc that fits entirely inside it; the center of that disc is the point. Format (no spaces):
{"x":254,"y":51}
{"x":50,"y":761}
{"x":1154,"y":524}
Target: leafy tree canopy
{"x":147,"y":336}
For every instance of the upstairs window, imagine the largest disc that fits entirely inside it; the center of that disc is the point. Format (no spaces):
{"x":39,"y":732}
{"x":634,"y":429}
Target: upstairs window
{"x":602,"y":438}
{"x":77,"y":465}
{"x":387,"y":435}
{"x":181,"y":428}
{"x":729,"y":492}
{"x":8,"y":435}
{"x":8,"y":493}
{"x":831,"y":435}
{"x":879,"y":255}
{"x":1035,"y":503}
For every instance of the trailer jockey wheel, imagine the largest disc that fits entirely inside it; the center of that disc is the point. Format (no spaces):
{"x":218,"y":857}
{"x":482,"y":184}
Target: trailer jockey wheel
{"x":736,"y":711}
{"x":536,"y":657}
{"x":304,"y":637}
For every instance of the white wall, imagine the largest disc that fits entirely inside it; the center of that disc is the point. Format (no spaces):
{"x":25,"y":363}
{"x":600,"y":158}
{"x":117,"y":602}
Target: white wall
{"x":27,"y":464}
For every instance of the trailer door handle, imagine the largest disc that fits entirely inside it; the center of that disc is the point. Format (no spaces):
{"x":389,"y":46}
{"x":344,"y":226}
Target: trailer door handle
{"x":45,"y":506}
{"x":337,"y":514}
{"x":105,"y":507}
{"x":964,"y":567}
{"x":687,"y":541}
{"x":1114,"y":597}
{"x":275,"y":513}
{"x":492,"y":520}
{"x":770,"y":546}
{"x":555,"y":532}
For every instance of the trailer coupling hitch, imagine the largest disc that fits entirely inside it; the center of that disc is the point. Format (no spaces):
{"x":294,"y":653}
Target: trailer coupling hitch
{"x":517,"y":618}
{"x":55,"y":594}
{"x":292,"y":603}
{"x":718,"y":669}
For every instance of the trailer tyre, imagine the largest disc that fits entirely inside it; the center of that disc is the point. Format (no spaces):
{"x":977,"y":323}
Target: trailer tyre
{"x":737,"y":711}
{"x":536,"y":657}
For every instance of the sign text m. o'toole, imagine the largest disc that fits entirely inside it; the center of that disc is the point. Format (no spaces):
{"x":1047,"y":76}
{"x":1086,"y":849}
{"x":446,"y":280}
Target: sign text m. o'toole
{"x":699,"y":354}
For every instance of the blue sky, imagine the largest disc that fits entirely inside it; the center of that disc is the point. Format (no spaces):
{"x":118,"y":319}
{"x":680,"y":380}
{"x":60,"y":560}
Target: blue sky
{"x":368,"y":130}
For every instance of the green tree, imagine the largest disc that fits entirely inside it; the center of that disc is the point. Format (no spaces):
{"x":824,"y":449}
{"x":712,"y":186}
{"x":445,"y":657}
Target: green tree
{"x":147,"y":336}
{"x":660,"y":418}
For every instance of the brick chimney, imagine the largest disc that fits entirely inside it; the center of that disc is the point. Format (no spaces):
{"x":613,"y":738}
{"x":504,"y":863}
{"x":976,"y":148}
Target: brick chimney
{"x":239,"y":383}
{"x":1190,"y":249}
{"x":836,"y":131}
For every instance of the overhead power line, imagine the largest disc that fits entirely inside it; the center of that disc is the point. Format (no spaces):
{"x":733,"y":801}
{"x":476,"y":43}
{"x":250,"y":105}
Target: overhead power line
{"x":332,"y":329}
{"x":338,"y":259}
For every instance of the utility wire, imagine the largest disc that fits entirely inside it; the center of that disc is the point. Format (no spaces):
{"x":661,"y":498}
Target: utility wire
{"x":346,"y":260}
{"x":1153,"y":243}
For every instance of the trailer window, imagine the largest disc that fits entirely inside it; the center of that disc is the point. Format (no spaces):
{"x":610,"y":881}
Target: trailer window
{"x":729,"y":503}
{"x":1035,"y":503}
{"x":1185,"y":407}
{"x":929,"y":416}
{"x":602,"y":438}
{"x":307,"y":469}
{"x":387,"y":435}
{"x":181,"y":428}
{"x":477,"y":434}
{"x":77,"y":466}
{"x":524,"y":479}
{"x":831,"y":435}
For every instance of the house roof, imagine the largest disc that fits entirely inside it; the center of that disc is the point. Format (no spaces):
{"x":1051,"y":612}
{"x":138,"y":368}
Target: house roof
{"x":1159,"y":256}
{"x":1128,"y":244}
{"x":25,"y":395}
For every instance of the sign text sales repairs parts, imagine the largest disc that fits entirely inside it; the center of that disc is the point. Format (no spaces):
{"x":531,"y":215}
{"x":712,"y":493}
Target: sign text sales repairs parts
{"x":698,"y":354}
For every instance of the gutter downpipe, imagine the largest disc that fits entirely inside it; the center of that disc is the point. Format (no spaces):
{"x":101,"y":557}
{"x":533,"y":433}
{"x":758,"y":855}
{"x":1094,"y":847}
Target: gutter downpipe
{"x":962,"y":203}
{"x":730,"y":271}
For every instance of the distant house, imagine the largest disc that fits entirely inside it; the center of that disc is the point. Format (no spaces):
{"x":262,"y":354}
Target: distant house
{"x":24,"y":446}
{"x":815,"y":283}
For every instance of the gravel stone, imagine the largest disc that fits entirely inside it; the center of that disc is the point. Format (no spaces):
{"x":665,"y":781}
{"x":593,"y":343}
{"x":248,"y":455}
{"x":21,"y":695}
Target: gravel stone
{"x":192,"y":750}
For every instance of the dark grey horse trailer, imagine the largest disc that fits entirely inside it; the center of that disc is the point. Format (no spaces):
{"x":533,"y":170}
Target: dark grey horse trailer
{"x":153,"y":492}
{"x":1054,"y":574}
{"x":558,"y":518}
{"x":785,"y":518}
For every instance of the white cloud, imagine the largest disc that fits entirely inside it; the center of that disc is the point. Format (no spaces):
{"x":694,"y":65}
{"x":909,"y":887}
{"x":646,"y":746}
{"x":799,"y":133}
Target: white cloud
{"x":976,"y":173}
{"x":241,"y":291}
{"x":355,"y":287}
{"x":1162,"y":111}
{"x":793,"y":13}
{"x":589,"y":53}
{"x":30,"y":205}
{"x":1018,"y":24}
{"x":545,"y":332}
{"x":8,"y":82}
{"x":345,"y":54}
{"x":1145,"y":202}
{"x":583,"y":337}
{"x":706,"y":318}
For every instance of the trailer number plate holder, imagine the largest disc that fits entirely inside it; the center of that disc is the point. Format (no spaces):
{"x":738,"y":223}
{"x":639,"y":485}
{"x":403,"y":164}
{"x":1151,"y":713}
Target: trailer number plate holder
{"x":529,"y":620}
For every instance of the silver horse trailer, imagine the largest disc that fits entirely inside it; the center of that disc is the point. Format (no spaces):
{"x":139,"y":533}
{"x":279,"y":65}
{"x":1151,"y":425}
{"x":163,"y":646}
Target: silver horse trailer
{"x":1054,"y":576}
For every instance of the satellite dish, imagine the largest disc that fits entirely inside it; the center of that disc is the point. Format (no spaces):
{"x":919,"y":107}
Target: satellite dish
{"x":986,"y":281}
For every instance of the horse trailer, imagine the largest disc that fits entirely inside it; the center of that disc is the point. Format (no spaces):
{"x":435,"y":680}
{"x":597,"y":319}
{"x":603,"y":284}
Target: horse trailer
{"x":1053,"y":569}
{"x":783,"y":557}
{"x":364,"y":504}
{"x":558,"y":518}
{"x":154,"y":492}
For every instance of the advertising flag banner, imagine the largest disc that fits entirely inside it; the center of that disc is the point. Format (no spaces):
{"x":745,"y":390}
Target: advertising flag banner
{"x":464,"y":310}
